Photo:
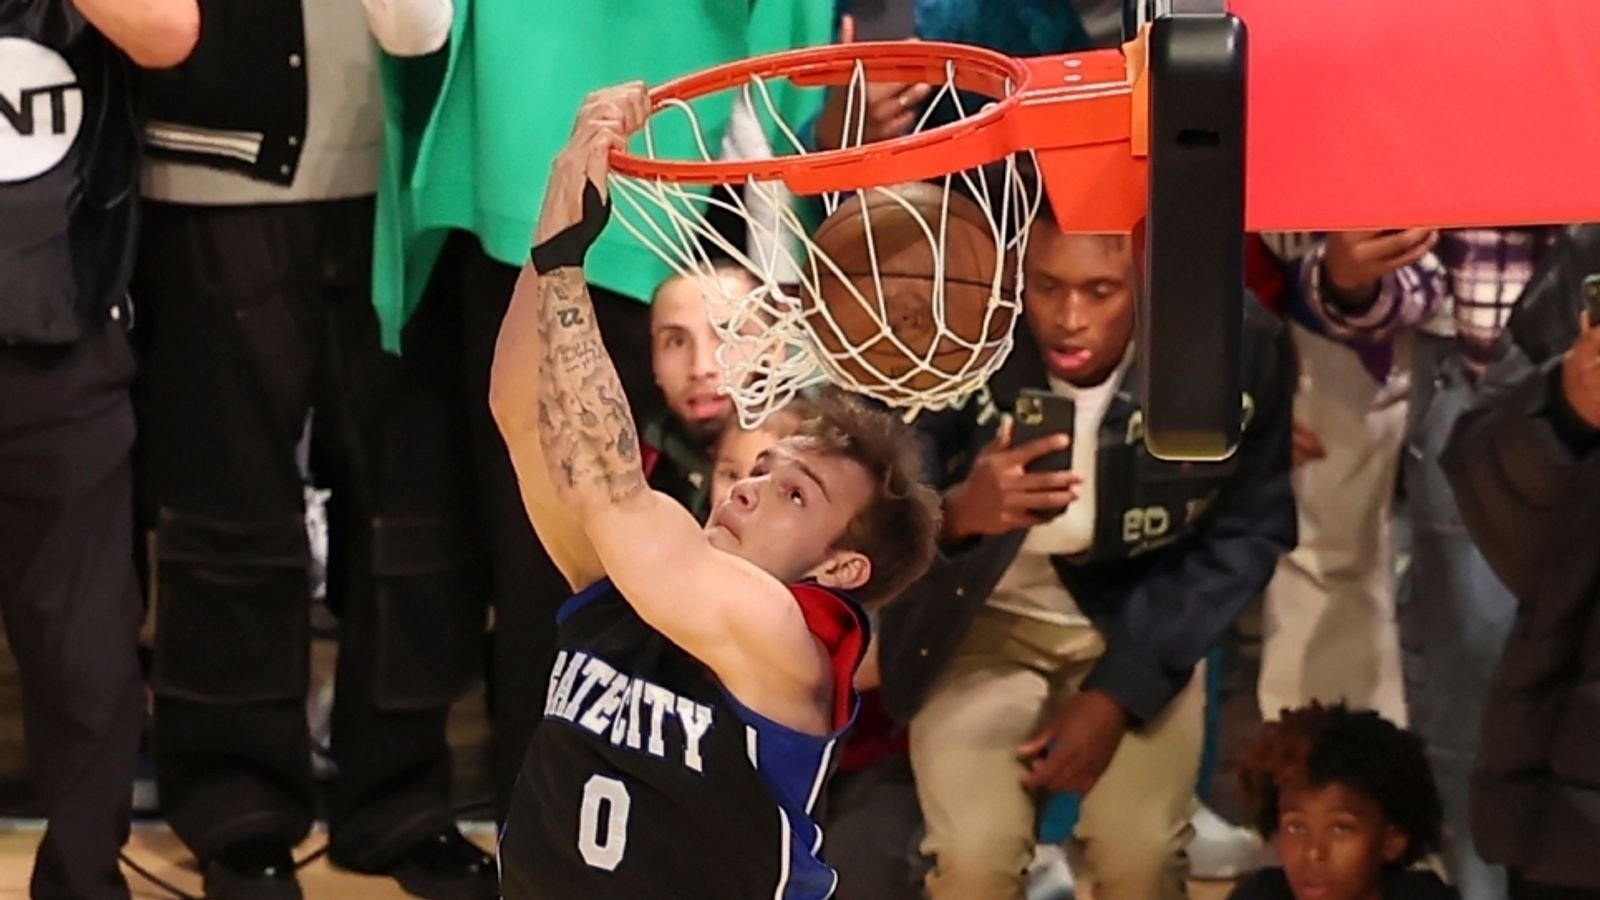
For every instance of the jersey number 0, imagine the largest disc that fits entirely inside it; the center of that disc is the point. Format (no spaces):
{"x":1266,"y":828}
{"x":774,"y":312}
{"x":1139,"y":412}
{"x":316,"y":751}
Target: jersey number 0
{"x":603,"y":822}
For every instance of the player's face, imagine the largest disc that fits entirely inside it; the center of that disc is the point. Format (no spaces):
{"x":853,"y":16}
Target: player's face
{"x":789,"y":515}
{"x":1334,"y":843}
{"x":1078,"y":298}
{"x":737,"y":452}
{"x":683,"y":355}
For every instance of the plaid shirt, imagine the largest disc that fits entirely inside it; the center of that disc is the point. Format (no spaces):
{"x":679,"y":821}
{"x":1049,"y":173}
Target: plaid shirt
{"x":1466,"y":288}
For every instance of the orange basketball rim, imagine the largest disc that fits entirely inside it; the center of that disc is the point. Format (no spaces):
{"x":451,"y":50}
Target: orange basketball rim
{"x":1362,"y":114}
{"x":1220,"y":117}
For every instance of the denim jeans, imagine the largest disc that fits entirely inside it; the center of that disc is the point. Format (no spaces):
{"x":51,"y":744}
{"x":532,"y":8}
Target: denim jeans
{"x":1454,"y":613}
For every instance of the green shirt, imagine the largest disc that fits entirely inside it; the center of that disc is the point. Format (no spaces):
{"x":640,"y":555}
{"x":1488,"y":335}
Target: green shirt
{"x":471,"y":131}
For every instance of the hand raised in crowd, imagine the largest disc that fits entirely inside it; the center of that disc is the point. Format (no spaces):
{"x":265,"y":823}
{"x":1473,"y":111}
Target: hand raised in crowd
{"x":1580,"y":373}
{"x":1307,"y":446}
{"x":605,"y":121}
{"x":1355,"y":260}
{"x":1000,"y":495}
{"x":891,"y":109}
{"x":1075,"y":746}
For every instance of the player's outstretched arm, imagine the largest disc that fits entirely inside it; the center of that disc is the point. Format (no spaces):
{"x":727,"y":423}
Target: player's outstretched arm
{"x":578,"y":461}
{"x":514,"y":388}
{"x":553,"y":390}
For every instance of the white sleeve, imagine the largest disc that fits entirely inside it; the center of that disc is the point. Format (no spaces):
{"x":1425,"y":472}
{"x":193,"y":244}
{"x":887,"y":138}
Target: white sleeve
{"x":410,"y":27}
{"x":766,"y":239}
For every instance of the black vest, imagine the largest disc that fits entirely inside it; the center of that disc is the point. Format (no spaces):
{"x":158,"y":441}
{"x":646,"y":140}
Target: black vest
{"x":68,"y":174}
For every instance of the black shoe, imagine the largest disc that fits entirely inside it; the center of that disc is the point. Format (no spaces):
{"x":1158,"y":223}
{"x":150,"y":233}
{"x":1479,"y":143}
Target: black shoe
{"x":256,"y":869}
{"x":447,"y":866}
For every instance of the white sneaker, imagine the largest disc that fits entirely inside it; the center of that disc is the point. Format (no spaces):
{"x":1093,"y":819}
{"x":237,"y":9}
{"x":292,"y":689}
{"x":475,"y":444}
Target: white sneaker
{"x":1221,"y":850}
{"x":1049,"y":878}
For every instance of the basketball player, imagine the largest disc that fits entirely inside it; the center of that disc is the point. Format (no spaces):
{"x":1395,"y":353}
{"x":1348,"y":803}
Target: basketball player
{"x":703,"y":675}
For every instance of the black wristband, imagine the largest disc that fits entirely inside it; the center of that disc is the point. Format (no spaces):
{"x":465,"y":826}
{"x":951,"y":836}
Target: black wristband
{"x":568,"y":247}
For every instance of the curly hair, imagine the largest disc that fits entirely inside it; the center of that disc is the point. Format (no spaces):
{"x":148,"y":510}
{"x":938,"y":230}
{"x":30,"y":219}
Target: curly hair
{"x":1316,"y":746}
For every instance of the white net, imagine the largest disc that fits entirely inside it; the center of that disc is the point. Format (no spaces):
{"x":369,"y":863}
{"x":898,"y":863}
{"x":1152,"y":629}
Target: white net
{"x":806,"y":318}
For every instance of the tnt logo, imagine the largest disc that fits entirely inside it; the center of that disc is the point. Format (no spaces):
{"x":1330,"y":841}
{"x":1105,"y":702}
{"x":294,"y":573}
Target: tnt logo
{"x":41,"y":109}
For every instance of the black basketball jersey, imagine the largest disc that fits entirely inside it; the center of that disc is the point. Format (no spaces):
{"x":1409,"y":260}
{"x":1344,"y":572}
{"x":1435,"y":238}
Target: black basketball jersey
{"x":648,"y":780}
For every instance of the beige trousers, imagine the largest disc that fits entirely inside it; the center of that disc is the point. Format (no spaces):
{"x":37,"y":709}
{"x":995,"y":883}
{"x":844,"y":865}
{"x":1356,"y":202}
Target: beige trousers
{"x":1328,"y":615}
{"x":1004,"y":680}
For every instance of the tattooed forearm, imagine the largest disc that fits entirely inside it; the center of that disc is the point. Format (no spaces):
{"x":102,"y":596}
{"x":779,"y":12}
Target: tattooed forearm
{"x":578,"y":357}
{"x":586,"y":429}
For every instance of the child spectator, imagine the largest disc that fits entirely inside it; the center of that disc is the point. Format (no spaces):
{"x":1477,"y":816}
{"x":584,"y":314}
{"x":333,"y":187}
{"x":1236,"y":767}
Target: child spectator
{"x":738,"y":448}
{"x":1349,"y":802}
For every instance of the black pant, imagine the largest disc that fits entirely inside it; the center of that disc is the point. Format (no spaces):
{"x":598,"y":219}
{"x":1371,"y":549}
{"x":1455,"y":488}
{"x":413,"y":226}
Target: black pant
{"x":70,"y":598}
{"x":253,"y":317}
{"x":872,"y":829}
{"x":1522,"y":889}
{"x":527,"y":586}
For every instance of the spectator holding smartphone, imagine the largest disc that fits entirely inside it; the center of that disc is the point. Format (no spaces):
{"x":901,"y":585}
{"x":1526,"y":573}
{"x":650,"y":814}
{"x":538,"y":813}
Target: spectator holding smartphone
{"x":1452,"y":293}
{"x":1328,"y":617}
{"x":1018,"y":28}
{"x":1060,"y":654}
{"x":1525,"y":465}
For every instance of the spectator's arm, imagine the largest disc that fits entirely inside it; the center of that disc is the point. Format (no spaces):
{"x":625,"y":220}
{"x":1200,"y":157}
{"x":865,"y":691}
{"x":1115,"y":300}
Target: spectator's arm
{"x":951,"y":440}
{"x":410,"y":27}
{"x":1405,"y":297}
{"x":155,"y":34}
{"x":1183,"y":604}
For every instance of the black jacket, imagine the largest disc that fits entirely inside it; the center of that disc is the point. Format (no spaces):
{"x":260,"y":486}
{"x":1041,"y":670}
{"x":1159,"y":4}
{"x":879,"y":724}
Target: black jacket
{"x":676,"y":465}
{"x":239,"y":101}
{"x":1526,"y":474}
{"x":1273,"y":884}
{"x":68,"y":174}
{"x":1179,"y":549}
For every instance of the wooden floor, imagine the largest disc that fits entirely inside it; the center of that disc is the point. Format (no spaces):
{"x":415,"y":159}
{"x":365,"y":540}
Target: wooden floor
{"x":154,"y":848}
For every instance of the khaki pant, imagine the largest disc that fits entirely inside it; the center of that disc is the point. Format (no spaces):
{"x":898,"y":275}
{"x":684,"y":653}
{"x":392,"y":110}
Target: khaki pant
{"x":1328,"y":623}
{"x":1004,"y":680}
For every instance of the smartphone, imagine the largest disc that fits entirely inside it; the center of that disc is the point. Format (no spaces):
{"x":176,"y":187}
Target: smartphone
{"x":1039,"y":413}
{"x":883,"y":20}
{"x":1591,"y":299}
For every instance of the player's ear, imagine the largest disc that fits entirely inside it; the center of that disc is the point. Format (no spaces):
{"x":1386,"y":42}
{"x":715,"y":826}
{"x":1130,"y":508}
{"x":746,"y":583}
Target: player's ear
{"x":845,"y":570}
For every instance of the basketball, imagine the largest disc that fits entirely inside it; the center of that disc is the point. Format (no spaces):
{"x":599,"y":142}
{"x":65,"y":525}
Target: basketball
{"x":894,"y":218}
